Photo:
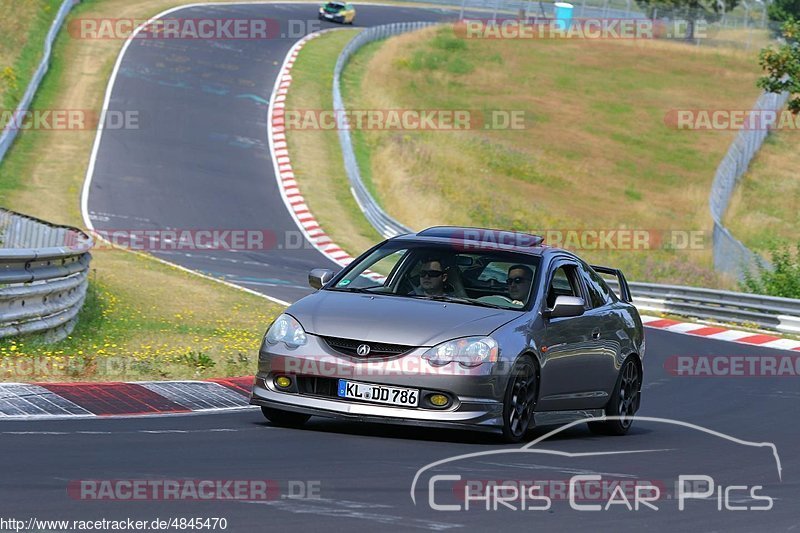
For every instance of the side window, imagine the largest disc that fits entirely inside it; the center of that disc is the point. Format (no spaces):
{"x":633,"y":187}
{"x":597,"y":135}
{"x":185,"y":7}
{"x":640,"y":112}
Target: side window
{"x":563,"y":283}
{"x":601,"y":284}
{"x":596,"y":296}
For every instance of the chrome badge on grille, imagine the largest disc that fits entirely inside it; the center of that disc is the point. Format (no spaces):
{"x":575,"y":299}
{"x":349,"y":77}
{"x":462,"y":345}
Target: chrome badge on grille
{"x":363,"y":350}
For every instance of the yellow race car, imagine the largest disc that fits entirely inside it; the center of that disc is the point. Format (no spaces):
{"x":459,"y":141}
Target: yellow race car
{"x":337,"y":12}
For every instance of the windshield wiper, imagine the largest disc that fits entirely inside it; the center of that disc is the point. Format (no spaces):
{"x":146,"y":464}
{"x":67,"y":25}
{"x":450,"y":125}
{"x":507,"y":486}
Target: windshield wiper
{"x":365,"y":290}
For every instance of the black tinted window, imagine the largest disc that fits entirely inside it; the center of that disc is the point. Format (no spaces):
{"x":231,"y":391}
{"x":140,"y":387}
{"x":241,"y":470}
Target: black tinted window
{"x":602,"y":286}
{"x":596,"y":296}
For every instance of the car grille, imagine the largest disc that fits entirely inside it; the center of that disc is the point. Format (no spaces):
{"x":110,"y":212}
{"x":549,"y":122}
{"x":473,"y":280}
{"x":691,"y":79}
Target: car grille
{"x":376,"y":349}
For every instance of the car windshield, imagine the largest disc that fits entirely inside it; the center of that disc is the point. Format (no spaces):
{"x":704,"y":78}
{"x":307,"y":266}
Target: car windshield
{"x":334,"y":6}
{"x":488,"y":278}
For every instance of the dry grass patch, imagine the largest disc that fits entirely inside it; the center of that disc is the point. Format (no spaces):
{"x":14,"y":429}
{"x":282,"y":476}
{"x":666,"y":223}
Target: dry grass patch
{"x":765,"y":210}
{"x":595,"y":152}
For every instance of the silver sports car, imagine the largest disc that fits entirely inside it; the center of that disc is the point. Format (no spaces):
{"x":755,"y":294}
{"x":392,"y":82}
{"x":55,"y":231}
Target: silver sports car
{"x":457,"y":327}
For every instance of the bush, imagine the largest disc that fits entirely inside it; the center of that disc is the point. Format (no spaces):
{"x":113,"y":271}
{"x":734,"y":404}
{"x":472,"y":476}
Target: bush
{"x":783,"y":10}
{"x":784,"y":278}
{"x":9,"y":77}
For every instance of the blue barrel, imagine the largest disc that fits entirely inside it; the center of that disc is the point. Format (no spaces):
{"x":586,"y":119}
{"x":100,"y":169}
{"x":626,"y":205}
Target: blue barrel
{"x":563,"y":14}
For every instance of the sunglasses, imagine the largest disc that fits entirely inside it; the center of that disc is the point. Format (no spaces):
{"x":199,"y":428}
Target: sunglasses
{"x":517,"y":280}
{"x":430,"y":273}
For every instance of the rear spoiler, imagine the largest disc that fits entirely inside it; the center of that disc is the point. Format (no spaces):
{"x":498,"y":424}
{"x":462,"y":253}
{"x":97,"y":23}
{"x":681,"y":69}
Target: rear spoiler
{"x":624,"y":290}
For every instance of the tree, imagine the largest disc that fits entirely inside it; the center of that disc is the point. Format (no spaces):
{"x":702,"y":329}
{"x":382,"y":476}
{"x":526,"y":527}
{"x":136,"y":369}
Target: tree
{"x":783,"y":10}
{"x":782,"y":65}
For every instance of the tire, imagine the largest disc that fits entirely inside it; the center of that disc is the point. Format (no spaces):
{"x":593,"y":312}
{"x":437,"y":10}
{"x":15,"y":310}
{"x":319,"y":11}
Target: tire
{"x":520,"y":400}
{"x":624,"y":401}
{"x":284,"y":419}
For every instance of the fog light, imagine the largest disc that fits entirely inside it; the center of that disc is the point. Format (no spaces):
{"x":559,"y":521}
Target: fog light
{"x":439,"y":400}
{"x":283,"y":382}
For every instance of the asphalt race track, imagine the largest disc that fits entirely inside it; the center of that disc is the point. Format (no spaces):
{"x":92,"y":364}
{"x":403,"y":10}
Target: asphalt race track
{"x":199,"y":158}
{"x":201,"y":161}
{"x":362,"y":474}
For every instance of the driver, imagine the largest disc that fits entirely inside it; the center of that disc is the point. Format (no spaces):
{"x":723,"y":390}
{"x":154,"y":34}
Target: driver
{"x":519,"y":283}
{"x":432,"y":278}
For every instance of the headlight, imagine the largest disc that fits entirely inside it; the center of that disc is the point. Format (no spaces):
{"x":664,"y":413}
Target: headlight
{"x":469,"y":351}
{"x":287,"y":330}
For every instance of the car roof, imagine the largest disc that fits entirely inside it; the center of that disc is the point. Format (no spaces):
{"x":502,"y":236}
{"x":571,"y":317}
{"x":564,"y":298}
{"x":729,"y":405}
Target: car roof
{"x":482,"y":239}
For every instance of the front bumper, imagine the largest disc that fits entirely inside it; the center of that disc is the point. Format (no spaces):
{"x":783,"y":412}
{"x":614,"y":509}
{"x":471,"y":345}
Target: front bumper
{"x":476,"y":393}
{"x":471,"y":413}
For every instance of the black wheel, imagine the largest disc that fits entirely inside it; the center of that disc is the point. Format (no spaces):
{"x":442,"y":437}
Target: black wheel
{"x":285,"y":418}
{"x":624,"y":401}
{"x":520,"y":401}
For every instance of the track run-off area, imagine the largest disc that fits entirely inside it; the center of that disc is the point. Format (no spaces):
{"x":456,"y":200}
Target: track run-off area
{"x":202,"y":161}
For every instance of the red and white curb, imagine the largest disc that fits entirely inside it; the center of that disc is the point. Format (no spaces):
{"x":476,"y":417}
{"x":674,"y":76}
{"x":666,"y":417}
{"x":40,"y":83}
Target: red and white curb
{"x":721,"y":333}
{"x":57,"y":400}
{"x":290,"y":190}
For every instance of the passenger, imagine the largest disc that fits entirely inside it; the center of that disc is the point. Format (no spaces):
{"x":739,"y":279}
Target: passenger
{"x":519,"y":283}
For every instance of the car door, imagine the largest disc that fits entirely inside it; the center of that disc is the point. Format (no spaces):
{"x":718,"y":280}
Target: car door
{"x":570,"y":346}
{"x":607,"y":327}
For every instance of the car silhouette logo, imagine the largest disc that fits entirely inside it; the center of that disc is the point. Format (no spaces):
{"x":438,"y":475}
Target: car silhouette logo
{"x":363,"y":350}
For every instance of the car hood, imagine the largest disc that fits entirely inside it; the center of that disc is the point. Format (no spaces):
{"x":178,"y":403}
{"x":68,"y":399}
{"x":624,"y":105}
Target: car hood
{"x":394,"y":319}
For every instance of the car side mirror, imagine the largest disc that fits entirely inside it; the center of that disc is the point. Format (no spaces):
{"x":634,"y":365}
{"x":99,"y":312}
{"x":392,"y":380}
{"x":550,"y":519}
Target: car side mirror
{"x":318,"y":277}
{"x":566,"y":306}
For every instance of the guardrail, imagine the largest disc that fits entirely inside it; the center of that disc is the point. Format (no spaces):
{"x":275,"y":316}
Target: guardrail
{"x":764,"y":312}
{"x":380,"y":220}
{"x":9,"y":133}
{"x":44,"y":272}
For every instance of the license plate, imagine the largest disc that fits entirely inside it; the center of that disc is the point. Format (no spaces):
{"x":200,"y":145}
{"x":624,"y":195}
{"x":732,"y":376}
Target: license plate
{"x":378,"y":393}
{"x":328,"y":16}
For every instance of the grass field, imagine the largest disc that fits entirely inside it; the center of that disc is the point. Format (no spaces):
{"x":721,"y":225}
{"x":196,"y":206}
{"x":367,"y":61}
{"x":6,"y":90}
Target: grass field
{"x":23,"y":27}
{"x":595,"y":152}
{"x":765,"y":210}
{"x":129,"y":327}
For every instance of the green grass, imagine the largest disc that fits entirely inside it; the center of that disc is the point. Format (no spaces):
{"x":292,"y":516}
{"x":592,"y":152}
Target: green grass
{"x":22,"y":154}
{"x":317,"y":156}
{"x":351,"y":80}
{"x":22,"y":35}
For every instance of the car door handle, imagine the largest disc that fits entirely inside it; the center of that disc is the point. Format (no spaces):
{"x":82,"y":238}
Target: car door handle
{"x":596,"y":334}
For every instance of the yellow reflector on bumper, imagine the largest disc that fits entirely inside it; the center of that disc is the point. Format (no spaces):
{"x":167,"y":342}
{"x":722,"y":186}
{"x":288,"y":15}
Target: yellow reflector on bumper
{"x":283,"y":382}
{"x":439,"y":400}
